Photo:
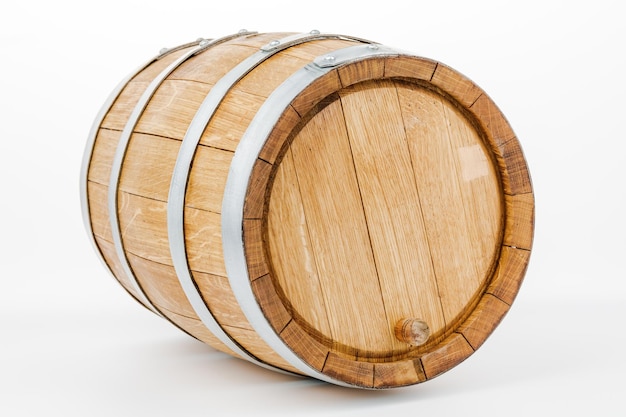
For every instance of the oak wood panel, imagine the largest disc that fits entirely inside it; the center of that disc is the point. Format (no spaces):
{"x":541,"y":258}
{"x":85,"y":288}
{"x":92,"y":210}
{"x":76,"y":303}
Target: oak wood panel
{"x":288,"y":240}
{"x":148,"y":166}
{"x":316,"y":91}
{"x":273,"y":309}
{"x":271,"y":73}
{"x":413,"y":67}
{"x":298,"y":340}
{"x":492,"y":119}
{"x":519,"y":221}
{"x":397,"y":374}
{"x":220,"y":299}
{"x":212,"y":64}
{"x":517,"y":179}
{"x":203,"y":239}
{"x":99,"y":210}
{"x":102,"y":156}
{"x":205,"y":187}
{"x":231,"y":119}
{"x":143,"y":226}
{"x":362,"y":71}
{"x":357,"y":373}
{"x":255,"y":200}
{"x":392,"y":205}
{"x":124,"y":105}
{"x":253,"y":247}
{"x":279,"y":135}
{"x":172,"y":108}
{"x":508,"y":277}
{"x":459,"y":193}
{"x":338,"y":232}
{"x":483,"y":320}
{"x":458,"y":86}
{"x":447,"y":355}
{"x":161,"y":285}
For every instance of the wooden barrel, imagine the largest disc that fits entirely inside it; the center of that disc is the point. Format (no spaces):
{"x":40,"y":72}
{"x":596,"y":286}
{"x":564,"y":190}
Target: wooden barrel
{"x":316,"y":204}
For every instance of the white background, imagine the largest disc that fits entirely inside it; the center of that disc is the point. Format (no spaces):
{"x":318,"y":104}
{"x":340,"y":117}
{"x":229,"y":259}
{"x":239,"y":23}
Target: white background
{"x":73,"y":343}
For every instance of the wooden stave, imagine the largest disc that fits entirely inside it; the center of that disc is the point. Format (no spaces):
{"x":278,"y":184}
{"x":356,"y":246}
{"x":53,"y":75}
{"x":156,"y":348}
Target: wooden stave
{"x":502,"y":142}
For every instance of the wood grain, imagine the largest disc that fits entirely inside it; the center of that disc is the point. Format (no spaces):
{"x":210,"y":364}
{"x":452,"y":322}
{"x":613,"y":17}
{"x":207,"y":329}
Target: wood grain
{"x":361,"y":71}
{"x":160,"y":284}
{"x":519,"y":221}
{"x":99,"y":210}
{"x":398,"y":374}
{"x":231,"y":119}
{"x":171,"y":108}
{"x":206,"y":186}
{"x":297,"y":275}
{"x":446,"y":355}
{"x":211,"y":66}
{"x":409,"y":67}
{"x":390,"y":189}
{"x":483,"y":320}
{"x":148,"y":166}
{"x":119,"y":113}
{"x":338,"y":232}
{"x":390,"y":198}
{"x":102,"y":157}
{"x":143,"y":226}
{"x":218,"y":296}
{"x":507,"y":279}
{"x":462,"y":206}
{"x":318,"y":90}
{"x":311,"y":351}
{"x":353,"y":372}
{"x":273,"y":309}
{"x":459,"y":87}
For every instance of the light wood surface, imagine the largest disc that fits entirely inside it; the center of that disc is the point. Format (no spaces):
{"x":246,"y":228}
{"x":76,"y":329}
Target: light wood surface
{"x":392,"y":190}
{"x":385,"y":206}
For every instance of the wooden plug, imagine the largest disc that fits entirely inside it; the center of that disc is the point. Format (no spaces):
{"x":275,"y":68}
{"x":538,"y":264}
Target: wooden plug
{"x":414,"y":332}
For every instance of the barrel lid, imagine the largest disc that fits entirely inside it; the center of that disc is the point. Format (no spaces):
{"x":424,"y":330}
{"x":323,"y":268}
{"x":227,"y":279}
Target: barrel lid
{"x":388,"y":221}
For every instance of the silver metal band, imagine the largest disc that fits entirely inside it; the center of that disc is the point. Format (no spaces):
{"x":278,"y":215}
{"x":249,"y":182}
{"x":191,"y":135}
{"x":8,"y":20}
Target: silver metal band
{"x":91,"y":141}
{"x":239,"y":175}
{"x":180,"y":177}
{"x":116,"y":166}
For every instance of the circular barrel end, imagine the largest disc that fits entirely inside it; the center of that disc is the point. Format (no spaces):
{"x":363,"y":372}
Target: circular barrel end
{"x":414,"y":332}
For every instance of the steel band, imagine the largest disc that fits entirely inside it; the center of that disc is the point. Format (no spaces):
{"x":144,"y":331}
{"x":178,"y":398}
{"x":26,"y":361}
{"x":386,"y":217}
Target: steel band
{"x":239,"y":175}
{"x":120,"y":153}
{"x":180,"y":177}
{"x":91,"y":140}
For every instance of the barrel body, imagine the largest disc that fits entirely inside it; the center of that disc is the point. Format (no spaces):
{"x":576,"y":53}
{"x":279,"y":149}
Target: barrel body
{"x":315,"y":204}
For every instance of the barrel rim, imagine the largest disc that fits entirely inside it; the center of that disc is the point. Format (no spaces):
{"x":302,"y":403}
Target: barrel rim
{"x":501,"y":289}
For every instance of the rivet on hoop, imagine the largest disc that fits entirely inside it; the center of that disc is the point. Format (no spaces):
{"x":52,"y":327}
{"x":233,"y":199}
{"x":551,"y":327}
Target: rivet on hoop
{"x":329,"y":58}
{"x":372,"y":46}
{"x":314,"y":32}
{"x":275,"y":42}
{"x":163,"y":50}
{"x":203,"y":42}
